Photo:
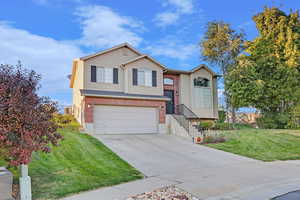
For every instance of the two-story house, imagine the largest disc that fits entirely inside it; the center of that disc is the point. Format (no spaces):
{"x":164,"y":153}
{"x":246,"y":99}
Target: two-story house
{"x":122,"y":91}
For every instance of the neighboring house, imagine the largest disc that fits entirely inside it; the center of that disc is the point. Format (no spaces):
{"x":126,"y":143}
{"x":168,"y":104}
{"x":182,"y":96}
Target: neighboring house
{"x":245,"y":117}
{"x":68,"y":110}
{"x":121,"y":90}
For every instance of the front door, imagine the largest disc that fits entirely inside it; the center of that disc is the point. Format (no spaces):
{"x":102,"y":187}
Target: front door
{"x":169,"y":104}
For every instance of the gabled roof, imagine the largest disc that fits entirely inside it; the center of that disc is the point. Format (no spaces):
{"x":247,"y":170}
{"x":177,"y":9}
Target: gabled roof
{"x":141,"y":57}
{"x":111,"y":49}
{"x":75,"y":61}
{"x":202,"y":66}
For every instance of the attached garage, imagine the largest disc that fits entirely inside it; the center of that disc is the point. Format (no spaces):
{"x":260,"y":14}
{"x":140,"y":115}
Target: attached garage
{"x":125,"y":119}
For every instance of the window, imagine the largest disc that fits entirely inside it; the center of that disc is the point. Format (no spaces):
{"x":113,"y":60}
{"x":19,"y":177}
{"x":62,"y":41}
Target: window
{"x":202,"y":93}
{"x":201,"y":82}
{"x":104,"y":74}
{"x":202,"y":97}
{"x":168,"y":81}
{"x":108,"y":75}
{"x":144,"y":77}
{"x":100,"y":74}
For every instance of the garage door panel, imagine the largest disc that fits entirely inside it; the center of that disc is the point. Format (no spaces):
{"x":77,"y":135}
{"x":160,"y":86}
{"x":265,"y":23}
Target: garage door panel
{"x":125,"y":120}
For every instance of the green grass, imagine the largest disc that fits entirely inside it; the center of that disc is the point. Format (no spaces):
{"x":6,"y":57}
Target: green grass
{"x":261,"y":144}
{"x":80,"y":163}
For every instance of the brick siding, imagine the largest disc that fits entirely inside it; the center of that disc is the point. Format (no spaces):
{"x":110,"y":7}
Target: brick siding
{"x":174,"y":87}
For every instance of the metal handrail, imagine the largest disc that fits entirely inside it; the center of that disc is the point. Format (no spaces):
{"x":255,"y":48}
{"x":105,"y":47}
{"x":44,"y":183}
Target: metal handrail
{"x":183,"y":116}
{"x":186,"y":112}
{"x":183,"y":122}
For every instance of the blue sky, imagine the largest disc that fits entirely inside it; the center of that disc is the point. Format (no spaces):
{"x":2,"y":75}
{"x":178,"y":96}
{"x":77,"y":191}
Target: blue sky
{"x":46,"y":35}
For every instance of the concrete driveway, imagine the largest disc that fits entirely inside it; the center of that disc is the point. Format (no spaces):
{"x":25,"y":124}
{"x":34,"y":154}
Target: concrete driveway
{"x":206,"y":173}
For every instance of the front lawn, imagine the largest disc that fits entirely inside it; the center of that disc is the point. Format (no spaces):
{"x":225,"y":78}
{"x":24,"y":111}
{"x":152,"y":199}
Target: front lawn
{"x":262,"y":144}
{"x":80,"y":163}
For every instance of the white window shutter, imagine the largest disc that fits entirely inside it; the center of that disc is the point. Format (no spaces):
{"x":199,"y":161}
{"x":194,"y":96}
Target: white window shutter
{"x":108,"y":75}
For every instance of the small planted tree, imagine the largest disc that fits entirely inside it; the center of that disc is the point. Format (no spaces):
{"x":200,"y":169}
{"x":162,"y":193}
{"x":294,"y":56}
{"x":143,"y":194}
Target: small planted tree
{"x":26,"y":123}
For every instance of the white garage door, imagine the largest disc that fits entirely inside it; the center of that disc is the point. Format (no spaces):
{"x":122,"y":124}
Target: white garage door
{"x":125,"y":120}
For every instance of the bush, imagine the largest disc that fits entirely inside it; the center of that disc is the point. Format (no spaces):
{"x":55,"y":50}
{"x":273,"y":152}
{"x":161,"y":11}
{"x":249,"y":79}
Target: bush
{"x":2,"y":157}
{"x":214,"y":139}
{"x":242,"y":126}
{"x":207,"y":124}
{"x":223,"y":126}
{"x":66,"y":121}
{"x":230,"y":126}
{"x":222,"y":116}
{"x":273,"y":121}
{"x":294,"y":123}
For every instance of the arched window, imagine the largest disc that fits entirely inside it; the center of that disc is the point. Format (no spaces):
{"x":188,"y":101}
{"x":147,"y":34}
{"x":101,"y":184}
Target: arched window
{"x":168,"y":81}
{"x":201,"y":82}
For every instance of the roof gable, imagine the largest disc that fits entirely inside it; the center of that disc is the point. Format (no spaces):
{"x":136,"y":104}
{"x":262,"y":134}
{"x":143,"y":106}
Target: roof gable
{"x":143,"y":57}
{"x":75,"y":61}
{"x":203,"y":67}
{"x":110,"y":50}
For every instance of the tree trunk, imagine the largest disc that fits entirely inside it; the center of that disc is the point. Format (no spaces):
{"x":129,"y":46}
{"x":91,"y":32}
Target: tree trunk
{"x":25,"y":184}
{"x":227,"y":106}
{"x":233,"y":115}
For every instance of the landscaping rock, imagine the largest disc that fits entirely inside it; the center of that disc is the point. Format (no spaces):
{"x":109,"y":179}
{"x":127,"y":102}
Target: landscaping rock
{"x":166,"y":193}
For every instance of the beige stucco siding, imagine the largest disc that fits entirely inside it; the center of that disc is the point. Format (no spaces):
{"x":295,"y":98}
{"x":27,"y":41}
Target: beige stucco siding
{"x":112,"y":59}
{"x":78,"y":84}
{"x":201,"y":112}
{"x":215,"y":97}
{"x":147,"y":90}
{"x":186,"y":93}
{"x":184,"y":90}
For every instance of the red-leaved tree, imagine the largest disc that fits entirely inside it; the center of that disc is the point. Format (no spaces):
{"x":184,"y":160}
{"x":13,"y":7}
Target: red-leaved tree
{"x":26,"y":123}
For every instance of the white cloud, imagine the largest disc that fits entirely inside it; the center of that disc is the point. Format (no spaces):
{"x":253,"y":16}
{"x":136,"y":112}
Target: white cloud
{"x":177,"y":8}
{"x":172,"y":49}
{"x":184,"y":6}
{"x":48,"y":57}
{"x":166,"y":18}
{"x":47,"y":2}
{"x":102,"y":27}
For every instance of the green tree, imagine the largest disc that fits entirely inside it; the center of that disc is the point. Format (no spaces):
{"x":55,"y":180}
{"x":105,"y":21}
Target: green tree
{"x":220,"y":46}
{"x":267,"y":76}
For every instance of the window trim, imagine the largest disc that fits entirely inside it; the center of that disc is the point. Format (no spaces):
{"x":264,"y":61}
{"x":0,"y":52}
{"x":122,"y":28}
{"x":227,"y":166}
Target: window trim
{"x":104,"y":79}
{"x":146,"y":72}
